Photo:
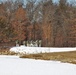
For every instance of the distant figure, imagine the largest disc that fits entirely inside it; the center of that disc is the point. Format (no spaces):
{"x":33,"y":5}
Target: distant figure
{"x":17,"y":43}
{"x":39,"y":43}
{"x":28,"y":44}
{"x":36,"y":43}
{"x":31,"y":44}
{"x":24,"y":43}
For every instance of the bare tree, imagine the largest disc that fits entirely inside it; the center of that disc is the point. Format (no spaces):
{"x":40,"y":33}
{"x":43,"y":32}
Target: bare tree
{"x":34,"y":14}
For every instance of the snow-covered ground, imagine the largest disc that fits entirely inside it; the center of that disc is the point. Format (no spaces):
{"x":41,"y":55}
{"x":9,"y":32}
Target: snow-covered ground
{"x":30,"y":50}
{"x":12,"y":65}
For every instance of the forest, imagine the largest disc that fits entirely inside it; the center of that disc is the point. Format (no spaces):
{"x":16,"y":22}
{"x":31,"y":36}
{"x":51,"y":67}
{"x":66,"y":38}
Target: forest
{"x":52,"y":23}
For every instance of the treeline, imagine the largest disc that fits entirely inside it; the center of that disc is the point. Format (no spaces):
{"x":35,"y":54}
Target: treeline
{"x":12,"y":21}
{"x":53,"y":23}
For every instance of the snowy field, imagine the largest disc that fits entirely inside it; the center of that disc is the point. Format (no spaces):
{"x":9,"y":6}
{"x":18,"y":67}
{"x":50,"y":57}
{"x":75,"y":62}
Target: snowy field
{"x":12,"y":65}
{"x":30,"y":50}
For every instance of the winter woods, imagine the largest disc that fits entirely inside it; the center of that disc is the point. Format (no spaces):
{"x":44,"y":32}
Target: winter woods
{"x":53,"y":23}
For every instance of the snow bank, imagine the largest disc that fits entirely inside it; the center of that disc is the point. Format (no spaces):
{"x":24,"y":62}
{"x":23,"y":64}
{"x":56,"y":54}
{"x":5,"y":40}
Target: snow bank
{"x":12,"y":65}
{"x":30,"y":50}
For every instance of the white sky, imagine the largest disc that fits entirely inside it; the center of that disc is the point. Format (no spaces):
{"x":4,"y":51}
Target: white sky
{"x":53,"y":0}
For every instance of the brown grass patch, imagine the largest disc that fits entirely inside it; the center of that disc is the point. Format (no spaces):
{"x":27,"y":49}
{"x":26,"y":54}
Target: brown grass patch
{"x":7,"y":52}
{"x":69,"y":57}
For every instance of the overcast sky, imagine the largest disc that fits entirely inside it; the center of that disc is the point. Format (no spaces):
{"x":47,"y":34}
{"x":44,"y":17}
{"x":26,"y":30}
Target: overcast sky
{"x":53,"y":0}
{"x":67,"y":0}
